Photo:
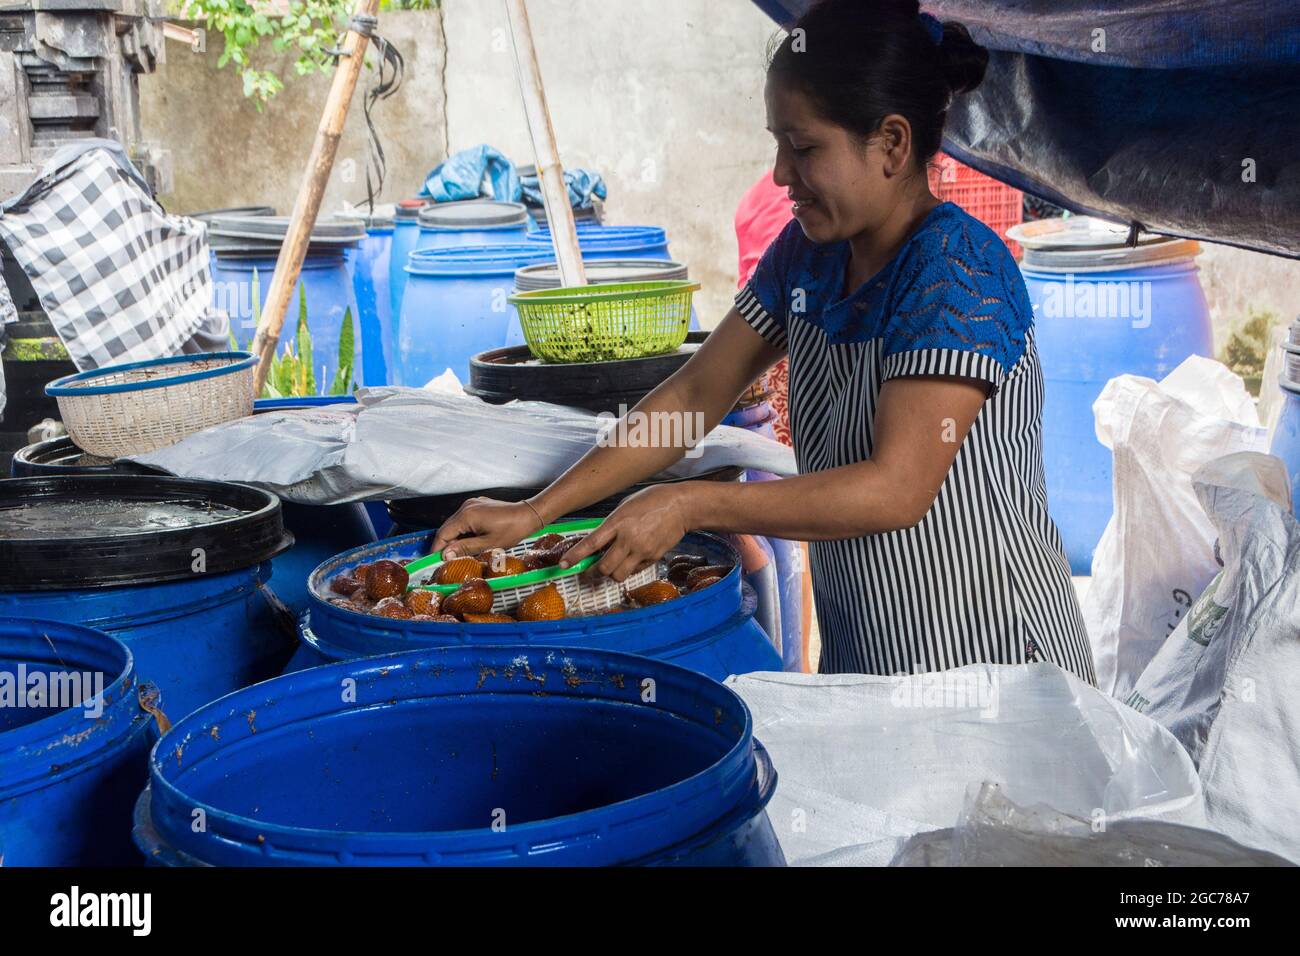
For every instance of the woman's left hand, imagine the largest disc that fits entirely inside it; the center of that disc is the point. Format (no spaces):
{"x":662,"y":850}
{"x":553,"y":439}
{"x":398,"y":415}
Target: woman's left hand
{"x":639,"y":532}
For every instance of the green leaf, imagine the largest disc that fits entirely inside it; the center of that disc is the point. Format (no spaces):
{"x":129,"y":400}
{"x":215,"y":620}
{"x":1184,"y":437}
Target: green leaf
{"x":308,"y":376}
{"x":347,"y":349}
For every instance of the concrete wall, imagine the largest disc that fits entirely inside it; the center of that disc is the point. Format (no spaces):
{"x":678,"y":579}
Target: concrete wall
{"x":663,"y":97}
{"x":227,"y":153}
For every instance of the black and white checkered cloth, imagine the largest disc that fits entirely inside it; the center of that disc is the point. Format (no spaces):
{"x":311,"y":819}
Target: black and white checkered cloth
{"x":120,"y":279}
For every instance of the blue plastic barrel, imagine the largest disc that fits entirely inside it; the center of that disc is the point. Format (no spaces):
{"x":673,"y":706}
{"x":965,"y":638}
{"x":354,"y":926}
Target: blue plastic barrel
{"x":329,"y":296}
{"x":788,"y":555}
{"x":485,"y":756}
{"x":73,"y":746}
{"x":319,"y":531}
{"x":471,"y":222}
{"x":1092,"y":324}
{"x":1286,"y":436}
{"x":615,"y":242}
{"x":456,"y":305}
{"x":196,"y":639}
{"x":406,"y":231}
{"x":370,"y":279}
{"x":711,"y":631}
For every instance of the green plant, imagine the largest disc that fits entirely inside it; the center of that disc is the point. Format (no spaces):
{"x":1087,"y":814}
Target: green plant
{"x":1247,"y":346}
{"x":307,"y":28}
{"x":293,"y":374}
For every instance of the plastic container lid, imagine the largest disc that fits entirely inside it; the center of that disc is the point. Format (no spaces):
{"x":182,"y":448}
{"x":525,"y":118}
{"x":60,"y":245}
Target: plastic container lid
{"x":408,"y":209}
{"x":332,"y":230}
{"x":1088,"y":244}
{"x":601,"y":271}
{"x":74,"y":532}
{"x":502,"y":259}
{"x":472,"y":214}
{"x":209,"y":214}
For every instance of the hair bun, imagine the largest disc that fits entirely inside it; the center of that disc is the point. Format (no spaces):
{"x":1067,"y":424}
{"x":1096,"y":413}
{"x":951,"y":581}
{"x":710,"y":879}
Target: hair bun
{"x":964,"y":61}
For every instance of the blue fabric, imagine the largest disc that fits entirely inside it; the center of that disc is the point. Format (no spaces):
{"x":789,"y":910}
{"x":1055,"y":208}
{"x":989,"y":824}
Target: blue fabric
{"x":470,"y":173}
{"x":953,"y":285}
{"x":583,"y":186}
{"x":485,"y":171}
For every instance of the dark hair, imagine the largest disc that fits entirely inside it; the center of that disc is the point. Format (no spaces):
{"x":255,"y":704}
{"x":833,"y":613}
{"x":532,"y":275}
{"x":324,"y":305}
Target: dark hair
{"x":860,"y":60}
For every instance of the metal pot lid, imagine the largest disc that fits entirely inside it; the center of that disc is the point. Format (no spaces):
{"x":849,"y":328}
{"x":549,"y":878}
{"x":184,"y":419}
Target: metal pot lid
{"x":1088,"y":244}
{"x":469,"y":213}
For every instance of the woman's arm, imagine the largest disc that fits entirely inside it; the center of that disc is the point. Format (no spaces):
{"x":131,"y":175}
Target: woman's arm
{"x":920,"y":424}
{"x":707,"y":386}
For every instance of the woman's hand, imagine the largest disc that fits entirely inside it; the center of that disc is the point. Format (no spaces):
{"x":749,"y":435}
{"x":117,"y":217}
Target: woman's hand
{"x":640,"y":531}
{"x":482,"y":523}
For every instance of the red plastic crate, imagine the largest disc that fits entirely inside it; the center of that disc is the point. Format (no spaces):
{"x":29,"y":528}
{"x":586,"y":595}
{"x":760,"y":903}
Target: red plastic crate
{"x":995,"y":204}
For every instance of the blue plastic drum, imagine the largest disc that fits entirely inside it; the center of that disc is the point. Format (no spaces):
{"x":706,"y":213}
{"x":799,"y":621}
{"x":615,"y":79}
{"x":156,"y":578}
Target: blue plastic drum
{"x":330,"y":296}
{"x":456,"y":305}
{"x":712,"y":631}
{"x":1099,"y":312}
{"x":472,"y":222}
{"x":1286,"y":437}
{"x":406,"y":231}
{"x":466,"y":756}
{"x":73,"y":746}
{"x":370,"y":280}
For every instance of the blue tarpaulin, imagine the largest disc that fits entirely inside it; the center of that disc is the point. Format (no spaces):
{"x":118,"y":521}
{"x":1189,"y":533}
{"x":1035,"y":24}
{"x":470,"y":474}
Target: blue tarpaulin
{"x":1179,"y":116}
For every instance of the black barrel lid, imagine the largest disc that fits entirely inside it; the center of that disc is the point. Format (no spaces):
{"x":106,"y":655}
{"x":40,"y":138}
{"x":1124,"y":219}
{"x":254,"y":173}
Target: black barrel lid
{"x":469,"y":213}
{"x":78,"y":531}
{"x":410,"y":208}
{"x":59,"y":456}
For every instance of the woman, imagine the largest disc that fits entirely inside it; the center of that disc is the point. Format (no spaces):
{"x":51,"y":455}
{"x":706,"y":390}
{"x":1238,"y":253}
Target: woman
{"x":915,"y":388}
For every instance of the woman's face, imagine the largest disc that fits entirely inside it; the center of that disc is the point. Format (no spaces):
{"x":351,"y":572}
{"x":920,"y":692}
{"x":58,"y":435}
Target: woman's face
{"x":835,"y":180}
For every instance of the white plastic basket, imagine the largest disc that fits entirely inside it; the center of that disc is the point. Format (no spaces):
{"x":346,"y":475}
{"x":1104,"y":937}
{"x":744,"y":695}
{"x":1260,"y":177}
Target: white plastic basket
{"x":583,"y":594}
{"x":139,"y":407}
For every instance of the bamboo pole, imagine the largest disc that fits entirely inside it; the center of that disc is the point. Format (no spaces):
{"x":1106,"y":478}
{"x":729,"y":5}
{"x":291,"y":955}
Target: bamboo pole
{"x":288,"y":266}
{"x":555,"y":195}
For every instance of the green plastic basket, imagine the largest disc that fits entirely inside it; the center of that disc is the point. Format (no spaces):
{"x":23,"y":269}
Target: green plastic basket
{"x":601,"y":323}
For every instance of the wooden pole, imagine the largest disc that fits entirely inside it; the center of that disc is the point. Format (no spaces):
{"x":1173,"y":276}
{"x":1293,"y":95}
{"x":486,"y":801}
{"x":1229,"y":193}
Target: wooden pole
{"x":288,"y":266}
{"x":555,"y":195}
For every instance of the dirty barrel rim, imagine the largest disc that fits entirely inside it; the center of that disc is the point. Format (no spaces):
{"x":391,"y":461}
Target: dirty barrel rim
{"x":617,"y":832}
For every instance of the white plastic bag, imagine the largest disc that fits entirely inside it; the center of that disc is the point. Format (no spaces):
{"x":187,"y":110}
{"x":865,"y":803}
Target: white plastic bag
{"x":1225,"y":682}
{"x":863,"y":762}
{"x":409,"y":442}
{"x":994,"y":831}
{"x":1157,"y":552}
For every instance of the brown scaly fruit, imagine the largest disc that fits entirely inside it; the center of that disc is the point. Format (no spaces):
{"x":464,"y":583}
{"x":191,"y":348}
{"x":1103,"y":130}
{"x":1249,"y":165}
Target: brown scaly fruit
{"x":344,"y":583}
{"x":491,"y":618}
{"x":544,"y":605}
{"x":423,"y":603}
{"x":394,"y":608}
{"x":472,"y":597}
{"x":548,"y":541}
{"x":385,"y":579}
{"x":682,"y":565}
{"x":445,"y":619}
{"x":457,"y":570}
{"x":709,"y":571}
{"x":704,"y":582}
{"x":656,"y":592}
{"x":534,"y":559}
{"x":506,"y":565}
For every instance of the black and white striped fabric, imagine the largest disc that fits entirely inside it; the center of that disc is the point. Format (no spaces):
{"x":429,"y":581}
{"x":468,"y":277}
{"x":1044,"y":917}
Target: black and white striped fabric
{"x":982,"y":577}
{"x":120,"y":280}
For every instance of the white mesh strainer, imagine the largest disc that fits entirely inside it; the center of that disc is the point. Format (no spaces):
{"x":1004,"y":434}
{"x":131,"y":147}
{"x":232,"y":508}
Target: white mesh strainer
{"x":583,"y":594}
